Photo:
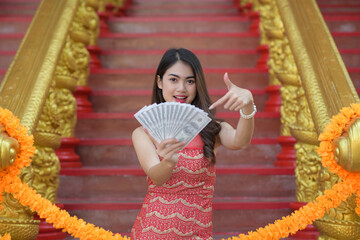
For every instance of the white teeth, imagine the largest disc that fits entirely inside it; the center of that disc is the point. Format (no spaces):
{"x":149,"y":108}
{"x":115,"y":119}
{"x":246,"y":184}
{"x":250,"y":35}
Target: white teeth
{"x":180,"y":97}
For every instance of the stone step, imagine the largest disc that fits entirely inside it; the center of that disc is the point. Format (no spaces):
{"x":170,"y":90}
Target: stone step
{"x":331,"y":12}
{"x":131,"y":101}
{"x":19,"y":3}
{"x":14,"y":24}
{"x":230,"y":216}
{"x":250,"y":181}
{"x":121,"y":125}
{"x":104,"y":79}
{"x":336,"y":2}
{"x":187,"y":10}
{"x":340,"y":6}
{"x":202,"y":41}
{"x":209,"y":59}
{"x":181,"y":3}
{"x":120,"y":152}
{"x":10,"y":42}
{"x":212,"y":24}
{"x":117,"y":79}
{"x":215,"y":24}
{"x":343,"y":23}
{"x":196,"y":41}
{"x":6,"y":57}
{"x":6,"y":10}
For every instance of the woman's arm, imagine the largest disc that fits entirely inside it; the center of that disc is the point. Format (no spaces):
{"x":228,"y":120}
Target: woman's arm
{"x":158,"y":171}
{"x":235,"y":99}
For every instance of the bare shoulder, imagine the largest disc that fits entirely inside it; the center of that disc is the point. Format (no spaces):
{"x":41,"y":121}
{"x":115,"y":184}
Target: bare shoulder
{"x":138,"y":132}
{"x":139,"y":135}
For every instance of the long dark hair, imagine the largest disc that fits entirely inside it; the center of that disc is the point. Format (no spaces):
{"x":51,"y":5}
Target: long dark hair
{"x":202,"y":99}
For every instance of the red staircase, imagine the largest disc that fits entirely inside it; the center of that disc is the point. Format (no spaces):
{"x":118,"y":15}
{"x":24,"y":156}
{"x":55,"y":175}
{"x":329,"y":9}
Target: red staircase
{"x":111,"y":181}
{"x":108,"y":189}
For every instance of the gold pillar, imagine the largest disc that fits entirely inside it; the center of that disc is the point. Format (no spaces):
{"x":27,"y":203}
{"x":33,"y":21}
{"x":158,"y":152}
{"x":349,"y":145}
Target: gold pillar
{"x":28,"y":90}
{"x":47,"y":138}
{"x":14,"y":218}
{"x":79,"y":40}
{"x":296,"y":119}
{"x":308,"y":163}
{"x":66,"y":84}
{"x":327,"y":88}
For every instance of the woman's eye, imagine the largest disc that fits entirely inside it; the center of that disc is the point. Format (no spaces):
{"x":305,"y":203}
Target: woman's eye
{"x":173,"y":79}
{"x":191,"y":81}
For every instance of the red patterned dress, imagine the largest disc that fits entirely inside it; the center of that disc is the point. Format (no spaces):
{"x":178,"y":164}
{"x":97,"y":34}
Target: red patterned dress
{"x":182,"y":207}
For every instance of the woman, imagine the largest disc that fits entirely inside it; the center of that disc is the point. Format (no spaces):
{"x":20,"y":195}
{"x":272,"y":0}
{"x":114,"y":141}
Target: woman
{"x":178,"y":204}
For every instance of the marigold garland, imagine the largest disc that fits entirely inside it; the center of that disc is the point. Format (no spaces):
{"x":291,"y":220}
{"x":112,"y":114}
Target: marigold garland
{"x":5,"y":237}
{"x":350,"y":183}
{"x":11,"y":183}
{"x":298,"y":220}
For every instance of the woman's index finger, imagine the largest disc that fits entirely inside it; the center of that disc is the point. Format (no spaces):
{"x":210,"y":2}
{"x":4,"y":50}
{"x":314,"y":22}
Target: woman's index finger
{"x":219,"y":102}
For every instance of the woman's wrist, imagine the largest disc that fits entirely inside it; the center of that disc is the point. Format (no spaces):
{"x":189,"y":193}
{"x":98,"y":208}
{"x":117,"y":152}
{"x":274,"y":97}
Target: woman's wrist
{"x":248,"y":111}
{"x":169,"y":162}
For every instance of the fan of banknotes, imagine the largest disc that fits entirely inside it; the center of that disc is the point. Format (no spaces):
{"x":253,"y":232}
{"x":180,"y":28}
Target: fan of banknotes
{"x":172,"y":120}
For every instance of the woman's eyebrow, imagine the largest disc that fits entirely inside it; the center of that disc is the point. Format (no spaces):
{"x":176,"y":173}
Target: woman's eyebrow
{"x":172,"y":74}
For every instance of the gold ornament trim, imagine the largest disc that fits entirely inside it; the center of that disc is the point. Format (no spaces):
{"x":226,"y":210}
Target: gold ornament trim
{"x":347,"y":148}
{"x":9,"y":148}
{"x":20,"y":229}
{"x":327,"y":84}
{"x":305,"y":135}
{"x":26,"y":84}
{"x":338,"y":229}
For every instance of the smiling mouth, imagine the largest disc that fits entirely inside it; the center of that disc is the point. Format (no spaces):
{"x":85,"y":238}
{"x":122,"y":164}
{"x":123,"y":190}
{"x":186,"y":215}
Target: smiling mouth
{"x":180,"y":99}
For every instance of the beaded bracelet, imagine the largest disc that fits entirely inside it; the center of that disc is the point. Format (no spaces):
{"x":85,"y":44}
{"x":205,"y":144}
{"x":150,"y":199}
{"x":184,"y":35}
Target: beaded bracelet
{"x":250,"y":115}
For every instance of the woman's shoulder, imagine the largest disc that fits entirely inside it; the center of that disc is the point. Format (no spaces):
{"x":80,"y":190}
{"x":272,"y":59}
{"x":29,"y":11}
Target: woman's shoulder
{"x":140,"y":136}
{"x":138,"y":133}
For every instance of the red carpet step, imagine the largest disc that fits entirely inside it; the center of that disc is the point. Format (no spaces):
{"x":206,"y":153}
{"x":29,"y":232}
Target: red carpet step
{"x":139,"y":41}
{"x":253,"y":181}
{"x":24,"y":10}
{"x":121,"y":125}
{"x":134,"y":100}
{"x":17,"y":24}
{"x":103,"y":79}
{"x":214,"y":24}
{"x":209,"y":59}
{"x":118,"y":215}
{"x":185,"y":10}
{"x":102,"y":152}
{"x":182,"y":3}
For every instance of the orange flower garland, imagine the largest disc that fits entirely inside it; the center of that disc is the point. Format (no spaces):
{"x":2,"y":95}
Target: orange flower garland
{"x":299,"y":219}
{"x":5,"y":237}
{"x":11,"y":183}
{"x":78,"y":228}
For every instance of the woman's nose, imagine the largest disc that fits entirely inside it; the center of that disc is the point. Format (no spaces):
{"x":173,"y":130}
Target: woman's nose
{"x":181,"y":87}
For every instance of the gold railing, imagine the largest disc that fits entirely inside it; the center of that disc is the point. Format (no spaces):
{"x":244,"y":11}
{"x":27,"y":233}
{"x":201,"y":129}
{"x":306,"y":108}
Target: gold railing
{"x":315,"y":85}
{"x":38,"y":88}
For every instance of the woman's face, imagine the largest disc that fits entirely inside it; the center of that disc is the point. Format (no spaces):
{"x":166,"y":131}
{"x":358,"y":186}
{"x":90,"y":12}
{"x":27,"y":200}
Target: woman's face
{"x":178,"y":83}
